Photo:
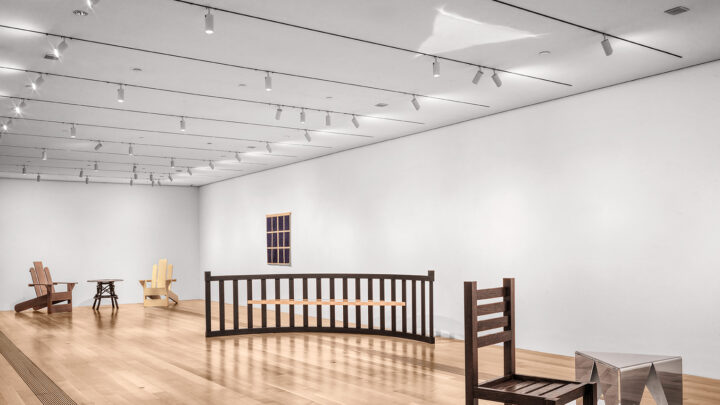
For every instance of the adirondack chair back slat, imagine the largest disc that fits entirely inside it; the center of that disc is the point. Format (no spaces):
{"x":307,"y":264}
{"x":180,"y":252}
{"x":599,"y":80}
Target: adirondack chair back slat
{"x":169,"y":274}
{"x":41,"y":274}
{"x":153,"y":283}
{"x":161,"y":273}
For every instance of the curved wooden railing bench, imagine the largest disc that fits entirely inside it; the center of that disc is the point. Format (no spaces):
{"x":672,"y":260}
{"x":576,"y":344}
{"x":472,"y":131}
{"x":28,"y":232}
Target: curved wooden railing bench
{"x":406,"y":311}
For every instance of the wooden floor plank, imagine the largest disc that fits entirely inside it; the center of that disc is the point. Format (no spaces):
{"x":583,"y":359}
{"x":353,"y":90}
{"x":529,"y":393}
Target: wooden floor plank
{"x":142,"y":355}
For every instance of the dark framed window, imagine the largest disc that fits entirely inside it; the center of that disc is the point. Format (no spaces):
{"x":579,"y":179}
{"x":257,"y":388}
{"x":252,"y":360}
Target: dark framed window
{"x":278,"y":238}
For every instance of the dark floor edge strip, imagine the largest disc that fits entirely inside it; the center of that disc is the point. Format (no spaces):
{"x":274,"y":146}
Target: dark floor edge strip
{"x":39,"y":383}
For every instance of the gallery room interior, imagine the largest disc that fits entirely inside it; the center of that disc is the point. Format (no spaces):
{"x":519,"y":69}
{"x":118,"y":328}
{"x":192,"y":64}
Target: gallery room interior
{"x":342,"y":202}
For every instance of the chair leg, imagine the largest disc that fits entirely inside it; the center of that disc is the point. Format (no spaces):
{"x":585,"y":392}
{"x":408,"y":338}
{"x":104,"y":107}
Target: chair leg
{"x":591,"y":395}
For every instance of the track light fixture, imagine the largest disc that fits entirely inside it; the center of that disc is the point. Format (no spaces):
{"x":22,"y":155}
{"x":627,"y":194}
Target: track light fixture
{"x":73,"y":131}
{"x":355,"y":121}
{"x":18,"y":108}
{"x":151,"y":177}
{"x":38,"y":177}
{"x":209,"y":23}
{"x":182,"y":124}
{"x":134,"y":169}
{"x":278,"y":113}
{"x":170,"y":177}
{"x":328,"y":120}
{"x":237,"y":157}
{"x":607,"y":46}
{"x":158,"y":183}
{"x":44,"y":154}
{"x":189,"y":171}
{"x":478,"y":75}
{"x":81,"y":173}
{"x":87,"y":179}
{"x":95,"y":167}
{"x":415,"y":103}
{"x":302,"y":116}
{"x":135,"y":176}
{"x":131,"y":182}
{"x":496,"y":79}
{"x":35,"y":84}
{"x":121,"y":94}
{"x":61,"y":48}
{"x":212,"y":165}
{"x":130,"y":150}
{"x":172,"y":163}
{"x":98,"y":146}
{"x":92,"y":3}
{"x":268,"y":81}
{"x":436,"y":67}
{"x":307,"y":136}
{"x":152,"y":183}
{"x":6,"y":124}
{"x":267,"y":146}
{"x":24,"y":170}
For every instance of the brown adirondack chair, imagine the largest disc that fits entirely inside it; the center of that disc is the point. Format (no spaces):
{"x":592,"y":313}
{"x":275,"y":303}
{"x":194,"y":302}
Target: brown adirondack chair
{"x":47,"y":297}
{"x":159,"y":294}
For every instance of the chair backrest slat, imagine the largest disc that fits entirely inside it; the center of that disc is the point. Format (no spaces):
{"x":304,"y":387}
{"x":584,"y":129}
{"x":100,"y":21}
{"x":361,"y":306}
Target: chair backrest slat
{"x":41,"y":275}
{"x":35,"y":279}
{"x":161,"y":273}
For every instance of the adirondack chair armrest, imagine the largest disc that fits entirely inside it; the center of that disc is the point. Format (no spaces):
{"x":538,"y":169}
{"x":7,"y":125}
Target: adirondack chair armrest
{"x":144,"y":282}
{"x":70,"y":285}
{"x":43,"y":284}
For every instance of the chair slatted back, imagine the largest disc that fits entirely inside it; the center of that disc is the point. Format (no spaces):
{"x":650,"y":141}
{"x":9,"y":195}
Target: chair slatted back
{"x":497,"y":307}
{"x":40,"y":274}
{"x":161,"y":272}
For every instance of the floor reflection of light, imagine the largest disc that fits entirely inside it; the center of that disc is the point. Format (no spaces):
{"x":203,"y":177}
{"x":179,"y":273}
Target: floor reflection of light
{"x":452,"y":32}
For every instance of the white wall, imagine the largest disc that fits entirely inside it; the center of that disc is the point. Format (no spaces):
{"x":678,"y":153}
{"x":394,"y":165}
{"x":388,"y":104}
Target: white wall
{"x":84,"y":232}
{"x":604,"y":206}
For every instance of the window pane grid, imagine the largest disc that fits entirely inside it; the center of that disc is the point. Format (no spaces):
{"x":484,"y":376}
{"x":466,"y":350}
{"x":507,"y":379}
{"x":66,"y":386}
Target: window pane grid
{"x":278,"y":239}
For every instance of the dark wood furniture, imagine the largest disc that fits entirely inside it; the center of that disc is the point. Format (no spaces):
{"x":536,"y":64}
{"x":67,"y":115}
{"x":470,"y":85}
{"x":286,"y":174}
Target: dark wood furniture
{"x":47,"y":297}
{"x":105,"y":289}
{"x":511,"y":388}
{"x":399,"y":305}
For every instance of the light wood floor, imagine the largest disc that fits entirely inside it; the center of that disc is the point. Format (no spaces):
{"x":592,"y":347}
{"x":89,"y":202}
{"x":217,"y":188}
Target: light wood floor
{"x":157,"y":355}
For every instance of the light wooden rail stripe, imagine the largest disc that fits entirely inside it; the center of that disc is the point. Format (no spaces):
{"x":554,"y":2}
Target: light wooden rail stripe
{"x":40,"y":384}
{"x":329,"y":302}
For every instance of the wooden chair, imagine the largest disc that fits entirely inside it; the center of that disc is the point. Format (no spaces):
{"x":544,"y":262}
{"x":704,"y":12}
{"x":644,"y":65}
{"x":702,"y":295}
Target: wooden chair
{"x":159,"y":286}
{"x":511,"y":388}
{"x":47,"y":297}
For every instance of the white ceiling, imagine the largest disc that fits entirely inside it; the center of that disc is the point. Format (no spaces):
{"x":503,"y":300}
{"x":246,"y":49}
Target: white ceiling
{"x":477,"y":31}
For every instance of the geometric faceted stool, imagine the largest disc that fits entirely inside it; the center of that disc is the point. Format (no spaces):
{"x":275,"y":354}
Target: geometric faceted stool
{"x":622,"y":377}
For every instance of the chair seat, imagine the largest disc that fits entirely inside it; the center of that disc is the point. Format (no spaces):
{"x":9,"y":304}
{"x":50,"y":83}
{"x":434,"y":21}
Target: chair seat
{"x":530,"y":389}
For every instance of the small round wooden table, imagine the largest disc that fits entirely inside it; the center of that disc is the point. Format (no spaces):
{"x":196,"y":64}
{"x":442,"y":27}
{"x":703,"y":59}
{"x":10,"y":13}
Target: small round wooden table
{"x":105,"y":289}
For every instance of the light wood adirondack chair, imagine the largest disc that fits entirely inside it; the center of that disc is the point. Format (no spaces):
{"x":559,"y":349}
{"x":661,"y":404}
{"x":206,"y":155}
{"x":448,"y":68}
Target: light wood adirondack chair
{"x":158,"y":294}
{"x":47,"y":297}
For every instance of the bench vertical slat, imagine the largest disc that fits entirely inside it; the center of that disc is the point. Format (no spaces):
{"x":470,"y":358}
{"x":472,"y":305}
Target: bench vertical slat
{"x":358,"y":313}
{"x":208,"y":308}
{"x":393,"y":310}
{"x":346,"y":322}
{"x":414,"y":307}
{"x":431,"y":276}
{"x":221,"y":299}
{"x":305,"y":298}
{"x":277,"y":306}
{"x":249,"y":305}
{"x":370,"y":309}
{"x":422,"y":308}
{"x":263,"y":296}
{"x":291,"y":293}
{"x":332,"y":297}
{"x":404,"y":308}
{"x":318,"y":296}
{"x":236,"y":321}
{"x":382,"y":309}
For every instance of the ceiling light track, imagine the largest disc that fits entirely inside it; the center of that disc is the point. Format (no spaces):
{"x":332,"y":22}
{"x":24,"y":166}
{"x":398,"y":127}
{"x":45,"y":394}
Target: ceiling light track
{"x":366,"y":41}
{"x":150,"y":145}
{"x":107,"y":162}
{"x":75,"y":169}
{"x":254,"y":69}
{"x":182,"y":117}
{"x":189,"y":93}
{"x":605,"y":34}
{"x":123,"y":154}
